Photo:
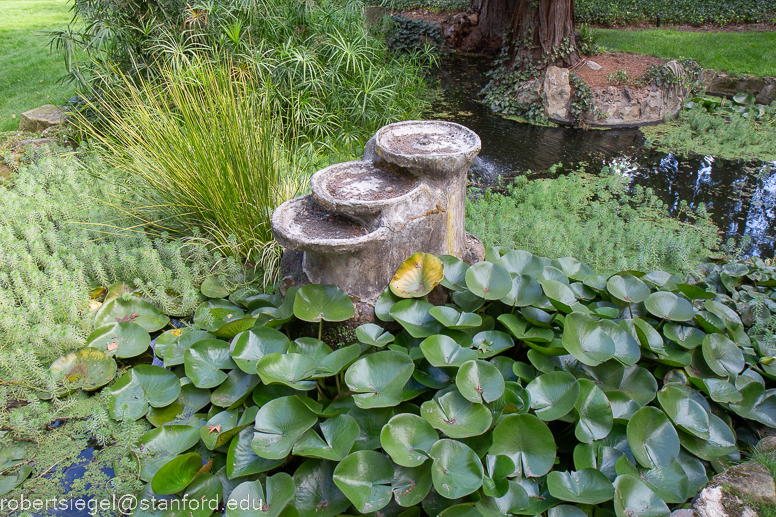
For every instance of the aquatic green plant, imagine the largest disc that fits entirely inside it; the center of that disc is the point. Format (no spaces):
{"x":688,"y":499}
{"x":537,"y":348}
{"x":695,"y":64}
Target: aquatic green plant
{"x":594,"y":218}
{"x":59,"y":242}
{"x":539,"y":386}
{"x":733,"y":131}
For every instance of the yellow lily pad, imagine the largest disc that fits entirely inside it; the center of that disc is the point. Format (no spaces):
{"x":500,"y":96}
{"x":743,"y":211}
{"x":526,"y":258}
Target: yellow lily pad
{"x":417,"y":276}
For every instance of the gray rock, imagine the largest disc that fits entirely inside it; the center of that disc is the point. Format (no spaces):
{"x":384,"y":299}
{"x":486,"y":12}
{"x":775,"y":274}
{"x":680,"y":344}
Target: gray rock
{"x":681,"y":513}
{"x":725,"y":494}
{"x":593,"y":65}
{"x":767,"y":444}
{"x":557,"y":93}
{"x":724,"y":85}
{"x":38,"y":119}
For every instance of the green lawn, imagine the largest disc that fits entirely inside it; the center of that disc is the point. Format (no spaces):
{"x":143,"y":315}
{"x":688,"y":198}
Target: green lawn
{"x":735,"y":53}
{"x":28,"y":70}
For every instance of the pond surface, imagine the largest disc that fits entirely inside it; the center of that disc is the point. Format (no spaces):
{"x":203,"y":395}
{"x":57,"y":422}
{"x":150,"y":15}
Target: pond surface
{"x":741,"y":196}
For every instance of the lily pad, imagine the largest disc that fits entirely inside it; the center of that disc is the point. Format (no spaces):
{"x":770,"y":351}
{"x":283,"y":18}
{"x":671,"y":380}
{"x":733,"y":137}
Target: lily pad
{"x":122,"y":339}
{"x":722,"y":355}
{"x":594,"y":411}
{"x":453,"y":319}
{"x":415,"y":317}
{"x":417,"y":276}
{"x":408,"y":438}
{"x":455,"y":272}
{"x":176,"y":474}
{"x":249,"y":500}
{"x":411,"y":485}
{"x":663,"y":304}
{"x":525,"y":291}
{"x":241,"y":460}
{"x":205,"y":361}
{"x":315,"y":302}
{"x":293,"y":370}
{"x":587,"y":486}
{"x":479,"y":381}
{"x":132,"y":310}
{"x":142,"y":386}
{"x":455,"y":416}
{"x":653,"y":440}
{"x":378,"y":379}
{"x":339,"y":435}
{"x":489,"y":281}
{"x":457,"y":471}
{"x":87,"y":369}
{"x":211,"y":315}
{"x":159,"y":446}
{"x":633,"y":498}
{"x":316,"y":493}
{"x":279,"y":424}
{"x":249,"y":347}
{"x":527,"y":441}
{"x":586,"y":340}
{"x":373,"y":335}
{"x":174,"y":353}
{"x":553,"y":395}
{"x":628,"y":288}
{"x":365,"y":479}
{"x":442,"y":351}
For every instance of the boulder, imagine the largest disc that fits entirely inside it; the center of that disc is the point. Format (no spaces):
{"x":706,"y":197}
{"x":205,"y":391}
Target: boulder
{"x":593,"y":65}
{"x":724,"y":85}
{"x":728,"y":494}
{"x":557,"y":93}
{"x":681,"y":513}
{"x":767,"y":444}
{"x":38,"y":119}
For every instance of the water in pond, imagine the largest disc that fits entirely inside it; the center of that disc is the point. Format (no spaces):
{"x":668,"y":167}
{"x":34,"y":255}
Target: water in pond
{"x":740,"y":196}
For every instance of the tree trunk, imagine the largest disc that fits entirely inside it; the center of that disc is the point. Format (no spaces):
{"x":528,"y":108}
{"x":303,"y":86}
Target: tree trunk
{"x":542,"y":30}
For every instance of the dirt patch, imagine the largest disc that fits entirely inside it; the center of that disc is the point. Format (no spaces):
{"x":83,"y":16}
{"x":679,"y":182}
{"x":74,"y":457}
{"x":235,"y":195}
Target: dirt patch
{"x":371,"y":185}
{"x":635,"y":65}
{"x":427,"y":15}
{"x":318,"y":222}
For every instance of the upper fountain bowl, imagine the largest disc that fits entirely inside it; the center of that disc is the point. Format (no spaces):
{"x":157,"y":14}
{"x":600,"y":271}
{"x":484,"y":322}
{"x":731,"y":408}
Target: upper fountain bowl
{"x":428,"y":146}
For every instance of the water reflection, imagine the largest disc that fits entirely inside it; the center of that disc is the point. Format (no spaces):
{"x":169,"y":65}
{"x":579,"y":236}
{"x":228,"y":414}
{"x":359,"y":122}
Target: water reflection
{"x":740,"y":197}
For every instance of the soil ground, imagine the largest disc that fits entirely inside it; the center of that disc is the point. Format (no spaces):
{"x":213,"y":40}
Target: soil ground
{"x":636,"y":65}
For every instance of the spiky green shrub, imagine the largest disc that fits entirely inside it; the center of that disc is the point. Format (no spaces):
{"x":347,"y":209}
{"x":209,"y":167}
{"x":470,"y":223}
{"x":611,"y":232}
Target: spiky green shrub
{"x":537,"y":387}
{"x":594,"y":218}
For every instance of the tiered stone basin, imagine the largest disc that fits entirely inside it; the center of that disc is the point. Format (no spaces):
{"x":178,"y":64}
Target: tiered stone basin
{"x":364,"y":218}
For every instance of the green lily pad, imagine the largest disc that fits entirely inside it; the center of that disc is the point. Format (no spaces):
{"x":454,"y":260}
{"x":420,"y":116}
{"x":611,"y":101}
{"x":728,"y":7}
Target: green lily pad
{"x":205,"y":361}
{"x":249,"y":500}
{"x":417,"y":276}
{"x":653,"y":440}
{"x":442,"y":351}
{"x":686,"y":337}
{"x":633,"y":498}
{"x":587,"y":486}
{"x":453,"y":319}
{"x":234,"y":327}
{"x":223,"y":426}
{"x":479,"y":381}
{"x":686,"y":413}
{"x":211,"y":315}
{"x":293,"y":370}
{"x":491,"y":342}
{"x":663,"y":304}
{"x":161,"y":445}
{"x":626,"y":348}
{"x":521,"y":262}
{"x":525,"y":291}
{"x":87,"y":369}
{"x":365,"y":479}
{"x":174,"y":353}
{"x":279,"y":424}
{"x":722,"y":355}
{"x":234,"y":390}
{"x":408,"y":438}
{"x":411,"y":485}
{"x":560,"y":295}
{"x":489,"y":281}
{"x":594,"y":411}
{"x":123,"y":339}
{"x":8,"y":483}
{"x":315,"y":302}
{"x":636,"y":382}
{"x":339,"y":435}
{"x":514,"y":500}
{"x":142,"y":386}
{"x":455,"y":272}
{"x":373,"y":335}
{"x":316,"y":493}
{"x":721,"y":441}
{"x":455,"y":416}
{"x":527,"y":441}
{"x":249,"y":347}
{"x":628,"y":288}
{"x":695,"y":292}
{"x":456,"y":471}
{"x":132,"y":310}
{"x":212,"y":288}
{"x":586,"y":340}
{"x":415,"y":317}
{"x":553,"y":395}
{"x":177,"y":474}
{"x":241,"y":460}
{"x":378,"y":379}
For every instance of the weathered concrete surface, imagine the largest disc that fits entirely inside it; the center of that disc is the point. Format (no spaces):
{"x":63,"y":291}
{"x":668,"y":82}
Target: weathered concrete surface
{"x":724,"y":85}
{"x":425,"y":214}
{"x":681,"y":513}
{"x":557,"y":93}
{"x":38,"y":119}
{"x":726,"y":495}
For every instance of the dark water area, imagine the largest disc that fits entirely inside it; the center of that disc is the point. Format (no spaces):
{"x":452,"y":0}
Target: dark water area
{"x":740,"y":196}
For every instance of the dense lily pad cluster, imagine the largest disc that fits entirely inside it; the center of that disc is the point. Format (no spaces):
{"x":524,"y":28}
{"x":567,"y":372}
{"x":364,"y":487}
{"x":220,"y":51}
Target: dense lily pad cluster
{"x":539,"y":387}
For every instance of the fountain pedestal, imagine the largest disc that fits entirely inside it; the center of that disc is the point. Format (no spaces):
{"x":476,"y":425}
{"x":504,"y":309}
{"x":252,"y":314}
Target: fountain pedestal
{"x":364,"y":218}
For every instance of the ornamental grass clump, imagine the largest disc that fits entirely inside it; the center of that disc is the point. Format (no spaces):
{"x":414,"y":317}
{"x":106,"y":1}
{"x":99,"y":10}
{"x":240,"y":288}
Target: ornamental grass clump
{"x":201,"y":149}
{"x":539,"y":386}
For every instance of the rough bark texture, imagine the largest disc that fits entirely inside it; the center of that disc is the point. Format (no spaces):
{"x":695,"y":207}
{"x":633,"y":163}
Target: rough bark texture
{"x":538,"y":27}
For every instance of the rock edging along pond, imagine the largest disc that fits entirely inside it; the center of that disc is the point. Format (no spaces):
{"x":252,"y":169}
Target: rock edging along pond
{"x":723,"y":85}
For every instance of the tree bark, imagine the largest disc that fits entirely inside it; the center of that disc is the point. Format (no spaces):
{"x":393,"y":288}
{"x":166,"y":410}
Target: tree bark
{"x":542,"y":30}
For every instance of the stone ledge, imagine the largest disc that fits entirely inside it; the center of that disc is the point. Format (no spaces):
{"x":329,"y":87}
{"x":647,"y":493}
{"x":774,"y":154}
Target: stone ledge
{"x":724,"y":85}
{"x":39,"y":119}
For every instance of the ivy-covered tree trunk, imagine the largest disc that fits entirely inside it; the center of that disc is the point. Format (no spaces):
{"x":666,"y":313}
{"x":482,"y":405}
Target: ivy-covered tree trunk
{"x":542,"y":30}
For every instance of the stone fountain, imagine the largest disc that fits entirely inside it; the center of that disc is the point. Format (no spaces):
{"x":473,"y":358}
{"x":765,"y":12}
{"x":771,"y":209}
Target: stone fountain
{"x":364,"y":218}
